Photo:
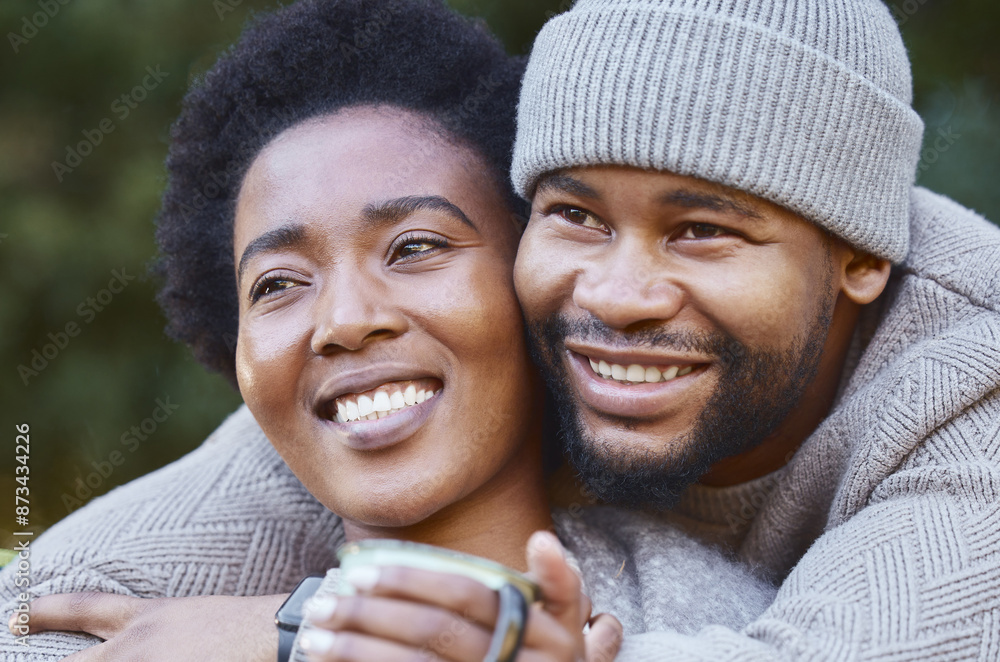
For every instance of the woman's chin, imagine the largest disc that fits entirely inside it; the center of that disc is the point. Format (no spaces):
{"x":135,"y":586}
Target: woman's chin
{"x":394,"y":513}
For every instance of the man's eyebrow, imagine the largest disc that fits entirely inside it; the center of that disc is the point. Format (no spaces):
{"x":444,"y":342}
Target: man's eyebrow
{"x":286,"y":236}
{"x":393,"y":211}
{"x":566,"y":184}
{"x":710,"y":201}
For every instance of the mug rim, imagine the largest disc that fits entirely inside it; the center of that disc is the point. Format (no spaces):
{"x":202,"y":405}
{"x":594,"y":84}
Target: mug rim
{"x":512,"y":576}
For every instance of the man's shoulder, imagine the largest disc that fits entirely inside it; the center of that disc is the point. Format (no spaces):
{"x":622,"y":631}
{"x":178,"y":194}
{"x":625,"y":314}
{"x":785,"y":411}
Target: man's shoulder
{"x":233,"y":474}
{"x":954,"y":247}
{"x":222,"y":511}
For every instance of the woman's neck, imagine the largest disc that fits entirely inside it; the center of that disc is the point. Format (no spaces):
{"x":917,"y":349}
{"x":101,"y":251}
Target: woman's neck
{"x":494,"y":522}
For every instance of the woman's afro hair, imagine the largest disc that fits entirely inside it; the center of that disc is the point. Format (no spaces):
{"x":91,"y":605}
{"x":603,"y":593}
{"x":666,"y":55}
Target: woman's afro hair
{"x":305,"y":60}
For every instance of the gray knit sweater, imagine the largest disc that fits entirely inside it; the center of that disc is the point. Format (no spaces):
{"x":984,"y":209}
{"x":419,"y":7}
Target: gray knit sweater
{"x":884,"y":529}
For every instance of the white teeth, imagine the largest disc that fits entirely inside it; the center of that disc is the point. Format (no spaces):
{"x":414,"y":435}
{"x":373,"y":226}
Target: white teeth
{"x":379,"y":404}
{"x":635,"y":373}
{"x":365,"y":405}
{"x":381,"y":401}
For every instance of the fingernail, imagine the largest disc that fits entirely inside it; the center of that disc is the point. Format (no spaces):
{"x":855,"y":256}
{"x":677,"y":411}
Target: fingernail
{"x":363,"y":578}
{"x":10,"y":623}
{"x":317,"y":641}
{"x":320,"y":608}
{"x":542,"y":540}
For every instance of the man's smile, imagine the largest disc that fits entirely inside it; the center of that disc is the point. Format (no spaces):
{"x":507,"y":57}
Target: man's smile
{"x":634,"y":389}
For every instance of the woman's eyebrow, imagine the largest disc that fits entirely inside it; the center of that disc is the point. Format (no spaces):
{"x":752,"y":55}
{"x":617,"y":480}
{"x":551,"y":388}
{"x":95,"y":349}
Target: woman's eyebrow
{"x":397,"y":209}
{"x":286,"y":236}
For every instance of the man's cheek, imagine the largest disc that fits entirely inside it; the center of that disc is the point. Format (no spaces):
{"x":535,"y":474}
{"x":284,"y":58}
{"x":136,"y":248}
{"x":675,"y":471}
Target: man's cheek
{"x":543,"y":280}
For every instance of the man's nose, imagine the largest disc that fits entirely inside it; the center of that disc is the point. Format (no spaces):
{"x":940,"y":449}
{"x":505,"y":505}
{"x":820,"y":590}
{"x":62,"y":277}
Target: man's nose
{"x":351,"y":313}
{"x":626,"y":286}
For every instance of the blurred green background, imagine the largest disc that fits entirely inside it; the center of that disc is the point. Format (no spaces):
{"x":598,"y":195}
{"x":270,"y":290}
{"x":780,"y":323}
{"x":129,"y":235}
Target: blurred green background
{"x":61,"y":240}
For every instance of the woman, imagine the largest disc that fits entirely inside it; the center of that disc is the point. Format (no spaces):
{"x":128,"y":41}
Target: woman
{"x":360,"y":248}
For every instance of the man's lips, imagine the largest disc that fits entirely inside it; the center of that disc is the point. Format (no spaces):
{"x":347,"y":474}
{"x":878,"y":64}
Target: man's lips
{"x":633,"y":385}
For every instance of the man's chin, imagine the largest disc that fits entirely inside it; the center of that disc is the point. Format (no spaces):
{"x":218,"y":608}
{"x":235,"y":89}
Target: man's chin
{"x":623,"y":469}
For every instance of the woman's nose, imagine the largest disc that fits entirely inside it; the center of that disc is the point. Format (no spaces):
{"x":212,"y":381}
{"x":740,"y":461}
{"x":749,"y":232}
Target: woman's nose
{"x":351,"y":313}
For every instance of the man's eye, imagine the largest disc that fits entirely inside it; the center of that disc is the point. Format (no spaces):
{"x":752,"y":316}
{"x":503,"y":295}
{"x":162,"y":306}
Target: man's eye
{"x":703,"y":231}
{"x":270,"y":286}
{"x":578,"y":216}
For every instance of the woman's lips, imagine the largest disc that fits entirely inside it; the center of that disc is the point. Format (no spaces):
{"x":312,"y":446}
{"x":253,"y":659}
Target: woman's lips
{"x":382,"y":416}
{"x":382,"y":401}
{"x":627,"y":393}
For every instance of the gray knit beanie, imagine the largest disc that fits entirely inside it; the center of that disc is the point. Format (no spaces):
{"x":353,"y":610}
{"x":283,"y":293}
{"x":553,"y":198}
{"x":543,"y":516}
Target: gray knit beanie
{"x":805,"y":103}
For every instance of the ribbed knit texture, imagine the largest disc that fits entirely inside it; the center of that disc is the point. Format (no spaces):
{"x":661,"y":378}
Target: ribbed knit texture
{"x":805,"y":103}
{"x":884,"y":529}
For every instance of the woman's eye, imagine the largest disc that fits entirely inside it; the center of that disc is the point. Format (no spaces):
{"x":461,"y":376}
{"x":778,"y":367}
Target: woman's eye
{"x":579,"y":216}
{"x":408,"y":247}
{"x":703,"y":231}
{"x":270,"y":286}
{"x":414,"y":247}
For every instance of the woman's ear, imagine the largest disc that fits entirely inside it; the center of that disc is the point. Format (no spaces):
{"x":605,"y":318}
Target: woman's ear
{"x":864,"y":276}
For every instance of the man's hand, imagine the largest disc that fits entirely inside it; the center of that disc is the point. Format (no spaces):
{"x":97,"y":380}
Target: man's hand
{"x":200,"y":628}
{"x":406,"y":614}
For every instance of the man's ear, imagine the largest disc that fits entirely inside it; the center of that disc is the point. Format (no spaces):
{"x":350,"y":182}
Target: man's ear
{"x":863,"y":276}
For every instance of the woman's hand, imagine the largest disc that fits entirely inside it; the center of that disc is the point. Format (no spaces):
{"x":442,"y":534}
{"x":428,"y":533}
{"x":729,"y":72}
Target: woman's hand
{"x":168,"y":629}
{"x":408,"y":614}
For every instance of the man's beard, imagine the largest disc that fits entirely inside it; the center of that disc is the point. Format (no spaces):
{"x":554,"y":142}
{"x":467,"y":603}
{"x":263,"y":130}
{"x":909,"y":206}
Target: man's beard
{"x":756,"y":390}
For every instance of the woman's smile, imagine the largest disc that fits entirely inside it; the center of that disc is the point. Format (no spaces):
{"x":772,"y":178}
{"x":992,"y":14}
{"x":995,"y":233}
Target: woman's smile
{"x":380,"y":416}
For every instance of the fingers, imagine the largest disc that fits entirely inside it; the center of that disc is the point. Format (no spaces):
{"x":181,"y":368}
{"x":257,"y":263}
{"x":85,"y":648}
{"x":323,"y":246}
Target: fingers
{"x":559,"y":582}
{"x":325,"y":646}
{"x":604,"y":639}
{"x":408,"y":624}
{"x":100,"y":614}
{"x":468,"y":597}
{"x":544,"y":632}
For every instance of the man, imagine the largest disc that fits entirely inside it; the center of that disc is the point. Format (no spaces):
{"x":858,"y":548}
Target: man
{"x":729,"y":278}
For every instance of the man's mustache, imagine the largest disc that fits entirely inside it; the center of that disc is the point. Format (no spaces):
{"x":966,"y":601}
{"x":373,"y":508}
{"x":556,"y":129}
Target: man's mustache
{"x":591,"y":330}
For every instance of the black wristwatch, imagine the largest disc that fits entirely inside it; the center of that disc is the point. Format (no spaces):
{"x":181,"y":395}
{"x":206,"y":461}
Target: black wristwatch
{"x":289,"y":616}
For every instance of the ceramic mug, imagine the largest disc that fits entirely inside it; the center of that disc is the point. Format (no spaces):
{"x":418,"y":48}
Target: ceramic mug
{"x":515,"y":589}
